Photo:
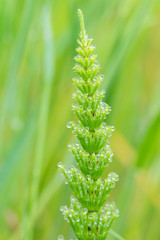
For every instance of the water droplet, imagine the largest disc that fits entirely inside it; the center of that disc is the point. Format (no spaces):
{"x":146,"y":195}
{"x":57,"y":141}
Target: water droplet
{"x":60,"y":237}
{"x":90,"y":216}
{"x":59,"y":164}
{"x":112,"y":128}
{"x":62,"y":208}
{"x":69,"y":125}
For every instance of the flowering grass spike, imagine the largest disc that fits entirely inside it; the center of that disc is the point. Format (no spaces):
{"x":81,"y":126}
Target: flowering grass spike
{"x":87,"y":214}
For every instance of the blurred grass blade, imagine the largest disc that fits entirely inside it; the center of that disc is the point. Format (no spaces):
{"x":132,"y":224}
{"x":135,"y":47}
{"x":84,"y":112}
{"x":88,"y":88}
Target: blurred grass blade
{"x":43,"y":113}
{"x":150,"y":131}
{"x":14,"y":62}
{"x":148,"y":147}
{"x":125,"y":42}
{"x":116,"y":235}
{"x":13,"y":163}
{"x":49,"y":192}
{"x":53,"y":186}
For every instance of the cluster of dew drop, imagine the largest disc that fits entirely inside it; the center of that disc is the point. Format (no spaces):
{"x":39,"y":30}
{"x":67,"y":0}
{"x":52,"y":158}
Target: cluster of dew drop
{"x":90,"y":193}
{"x":89,"y":225}
{"x":94,"y":164}
{"x":88,"y":217}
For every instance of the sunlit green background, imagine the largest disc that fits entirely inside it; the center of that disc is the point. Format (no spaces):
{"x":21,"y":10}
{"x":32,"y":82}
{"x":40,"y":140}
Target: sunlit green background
{"x":37,"y":46}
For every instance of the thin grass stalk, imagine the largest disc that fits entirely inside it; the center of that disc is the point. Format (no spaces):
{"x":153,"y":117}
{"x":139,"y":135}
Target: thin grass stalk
{"x":15,"y":59}
{"x":43,"y":115}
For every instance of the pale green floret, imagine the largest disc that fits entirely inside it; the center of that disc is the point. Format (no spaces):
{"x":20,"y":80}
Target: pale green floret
{"x":87,"y":225}
{"x":92,"y":164}
{"x":89,"y":219}
{"x":90,"y":120}
{"x":91,"y":141}
{"x":87,"y":101}
{"x":91,"y":194}
{"x":89,"y":86}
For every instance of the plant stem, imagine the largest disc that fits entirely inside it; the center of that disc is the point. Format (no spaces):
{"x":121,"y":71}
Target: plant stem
{"x":113,"y":233}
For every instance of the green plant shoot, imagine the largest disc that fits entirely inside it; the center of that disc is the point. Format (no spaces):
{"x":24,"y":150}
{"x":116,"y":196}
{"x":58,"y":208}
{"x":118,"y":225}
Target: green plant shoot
{"x":88,"y":214}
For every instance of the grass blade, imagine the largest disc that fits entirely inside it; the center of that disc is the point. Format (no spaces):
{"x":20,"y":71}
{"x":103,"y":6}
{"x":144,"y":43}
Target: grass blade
{"x":43,"y":114}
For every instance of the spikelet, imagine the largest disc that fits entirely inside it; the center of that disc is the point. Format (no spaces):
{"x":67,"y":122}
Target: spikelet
{"x":88,"y":217}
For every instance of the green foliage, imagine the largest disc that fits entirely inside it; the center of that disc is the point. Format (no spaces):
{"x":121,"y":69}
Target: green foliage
{"x":37,"y":44}
{"x":87,"y":224}
{"x":88,"y":218}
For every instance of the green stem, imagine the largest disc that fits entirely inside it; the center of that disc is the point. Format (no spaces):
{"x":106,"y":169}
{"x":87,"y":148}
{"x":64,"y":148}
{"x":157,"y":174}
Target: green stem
{"x":83,"y":31}
{"x":113,"y":233}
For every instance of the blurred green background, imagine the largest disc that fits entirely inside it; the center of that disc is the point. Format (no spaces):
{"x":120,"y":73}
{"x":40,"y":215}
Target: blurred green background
{"x":37,"y":46}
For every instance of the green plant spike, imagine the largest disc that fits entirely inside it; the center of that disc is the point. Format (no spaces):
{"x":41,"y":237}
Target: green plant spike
{"x":88,"y":217}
